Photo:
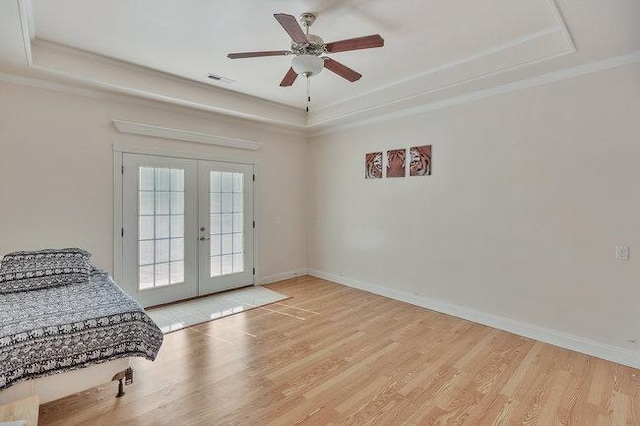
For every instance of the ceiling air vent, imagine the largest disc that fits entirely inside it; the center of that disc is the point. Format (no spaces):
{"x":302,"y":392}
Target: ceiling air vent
{"x":219,"y":78}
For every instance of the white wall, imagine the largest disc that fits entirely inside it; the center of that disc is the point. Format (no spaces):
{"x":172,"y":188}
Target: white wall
{"x":56,"y":172}
{"x":530,"y":193}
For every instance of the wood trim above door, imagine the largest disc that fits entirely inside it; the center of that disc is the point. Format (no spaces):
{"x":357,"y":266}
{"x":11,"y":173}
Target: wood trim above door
{"x":184,"y":135}
{"x":201,"y":154}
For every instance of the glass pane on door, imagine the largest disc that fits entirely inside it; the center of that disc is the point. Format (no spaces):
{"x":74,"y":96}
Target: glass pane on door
{"x":161,"y":207}
{"x":226,"y":223}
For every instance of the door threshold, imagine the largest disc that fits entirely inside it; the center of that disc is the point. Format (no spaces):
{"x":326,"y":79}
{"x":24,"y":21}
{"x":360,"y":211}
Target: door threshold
{"x":199,"y":297}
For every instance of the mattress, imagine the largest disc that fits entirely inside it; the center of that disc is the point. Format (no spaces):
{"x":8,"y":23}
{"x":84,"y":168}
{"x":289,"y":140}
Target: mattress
{"x":52,"y":330}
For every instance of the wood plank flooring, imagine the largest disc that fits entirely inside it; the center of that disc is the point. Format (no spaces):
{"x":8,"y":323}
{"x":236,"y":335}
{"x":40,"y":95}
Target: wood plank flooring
{"x":336,"y":355}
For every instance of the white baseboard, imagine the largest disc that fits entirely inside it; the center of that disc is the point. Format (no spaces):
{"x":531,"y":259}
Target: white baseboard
{"x":283,"y":276}
{"x":546,"y":335}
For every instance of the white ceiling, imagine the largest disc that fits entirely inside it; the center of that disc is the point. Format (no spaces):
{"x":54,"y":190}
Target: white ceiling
{"x":434,"y":49}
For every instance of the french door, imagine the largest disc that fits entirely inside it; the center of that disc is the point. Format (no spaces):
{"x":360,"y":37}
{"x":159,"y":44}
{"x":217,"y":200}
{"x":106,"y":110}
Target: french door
{"x":187,"y":227}
{"x":226,"y":226}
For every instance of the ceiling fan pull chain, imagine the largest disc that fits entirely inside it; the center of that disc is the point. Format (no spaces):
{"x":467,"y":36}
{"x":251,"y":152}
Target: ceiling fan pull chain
{"x":308,"y":94}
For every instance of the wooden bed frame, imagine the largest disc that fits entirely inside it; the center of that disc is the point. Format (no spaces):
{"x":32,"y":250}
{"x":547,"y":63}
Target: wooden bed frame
{"x":58,"y":386}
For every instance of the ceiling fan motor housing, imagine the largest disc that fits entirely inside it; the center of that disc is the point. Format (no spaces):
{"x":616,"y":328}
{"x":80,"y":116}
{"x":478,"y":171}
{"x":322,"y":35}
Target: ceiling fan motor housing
{"x":316,"y":46}
{"x":307,"y":61}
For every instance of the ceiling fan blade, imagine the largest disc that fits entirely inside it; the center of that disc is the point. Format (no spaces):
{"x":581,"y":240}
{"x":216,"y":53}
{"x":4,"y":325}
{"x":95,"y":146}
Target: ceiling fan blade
{"x":257,"y":54}
{"x":289,"y":78}
{"x":366,"y":42}
{"x":291,"y":26}
{"x":342,"y":70}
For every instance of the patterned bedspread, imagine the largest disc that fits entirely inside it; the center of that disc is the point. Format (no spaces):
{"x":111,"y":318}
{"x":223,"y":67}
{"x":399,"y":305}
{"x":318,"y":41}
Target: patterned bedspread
{"x":58,"y":329}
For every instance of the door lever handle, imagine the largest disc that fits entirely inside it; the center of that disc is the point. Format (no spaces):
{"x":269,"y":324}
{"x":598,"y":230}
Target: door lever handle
{"x":204,"y":238}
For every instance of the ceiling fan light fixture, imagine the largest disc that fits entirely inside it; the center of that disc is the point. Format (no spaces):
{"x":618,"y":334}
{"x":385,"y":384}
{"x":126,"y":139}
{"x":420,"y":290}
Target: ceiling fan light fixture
{"x":308,"y":50}
{"x":307,"y":65}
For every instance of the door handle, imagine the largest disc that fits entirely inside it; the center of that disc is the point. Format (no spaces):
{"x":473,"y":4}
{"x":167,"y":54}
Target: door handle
{"x":204,"y":238}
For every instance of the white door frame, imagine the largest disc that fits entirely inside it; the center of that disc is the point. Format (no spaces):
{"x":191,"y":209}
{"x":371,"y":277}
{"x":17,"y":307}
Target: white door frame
{"x":119,"y":149}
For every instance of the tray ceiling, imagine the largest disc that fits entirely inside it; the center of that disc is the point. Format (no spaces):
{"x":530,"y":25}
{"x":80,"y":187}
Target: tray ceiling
{"x":435,"y":51}
{"x":191,"y":38}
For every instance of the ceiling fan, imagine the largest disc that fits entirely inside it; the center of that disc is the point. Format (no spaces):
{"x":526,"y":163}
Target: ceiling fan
{"x":308,"y":49}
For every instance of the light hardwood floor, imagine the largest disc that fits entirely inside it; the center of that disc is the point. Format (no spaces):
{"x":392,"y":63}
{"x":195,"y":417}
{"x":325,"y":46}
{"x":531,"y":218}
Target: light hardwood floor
{"x":332,"y":354}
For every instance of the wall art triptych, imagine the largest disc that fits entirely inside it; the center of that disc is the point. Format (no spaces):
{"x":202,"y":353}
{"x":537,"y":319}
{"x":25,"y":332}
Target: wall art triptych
{"x":396,"y":162}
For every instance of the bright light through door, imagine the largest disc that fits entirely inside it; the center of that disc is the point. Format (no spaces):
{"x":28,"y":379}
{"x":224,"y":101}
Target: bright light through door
{"x":227,"y":223}
{"x":161,"y":227}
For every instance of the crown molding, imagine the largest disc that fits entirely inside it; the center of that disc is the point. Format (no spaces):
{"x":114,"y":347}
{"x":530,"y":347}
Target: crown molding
{"x":562,"y":23}
{"x":52,"y":55}
{"x":511,"y":56}
{"x":559,"y":27}
{"x":592,"y":67}
{"x":42,"y":44}
{"x":463,"y":61}
{"x":134,"y":128}
{"x":378,"y":110}
{"x":552,"y":77}
{"x":87,"y":69}
{"x":25,"y":9}
{"x":41,"y":75}
{"x":79,"y":72}
{"x":47,"y":83}
{"x":74,"y":67}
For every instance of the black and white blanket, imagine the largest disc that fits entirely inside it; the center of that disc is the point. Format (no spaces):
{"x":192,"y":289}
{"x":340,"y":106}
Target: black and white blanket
{"x":57,"y":329}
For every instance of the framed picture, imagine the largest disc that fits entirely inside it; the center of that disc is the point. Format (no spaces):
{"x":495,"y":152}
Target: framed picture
{"x":420,"y":160}
{"x":396,"y":159}
{"x":373,"y":165}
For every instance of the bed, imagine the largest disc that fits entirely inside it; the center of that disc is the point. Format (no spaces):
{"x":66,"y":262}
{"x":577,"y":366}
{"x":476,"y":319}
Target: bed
{"x":59,"y":340}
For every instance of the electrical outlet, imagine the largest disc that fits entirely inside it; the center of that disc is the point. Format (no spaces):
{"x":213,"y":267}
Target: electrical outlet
{"x":622,"y":252}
